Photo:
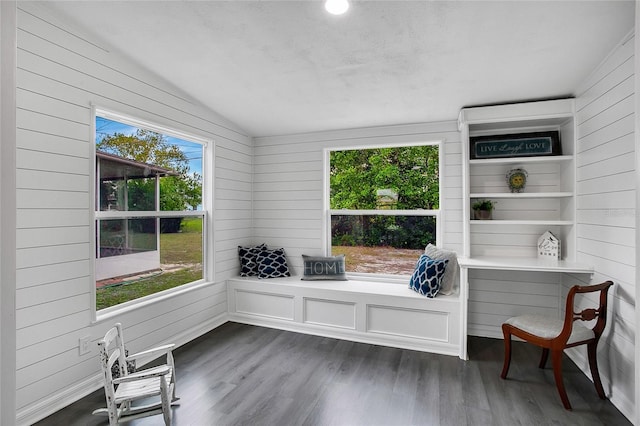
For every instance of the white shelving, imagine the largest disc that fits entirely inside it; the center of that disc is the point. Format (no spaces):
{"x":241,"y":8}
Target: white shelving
{"x":521,"y":195}
{"x":508,"y":242}
{"x":547,"y":203}
{"x":523,"y":160}
{"x":503,"y":222}
{"x":523,"y":264}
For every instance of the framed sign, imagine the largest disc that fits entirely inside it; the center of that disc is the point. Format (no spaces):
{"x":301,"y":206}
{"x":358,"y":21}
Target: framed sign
{"x":516,"y":145}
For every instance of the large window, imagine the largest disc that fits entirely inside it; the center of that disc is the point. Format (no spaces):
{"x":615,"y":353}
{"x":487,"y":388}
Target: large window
{"x":150,"y":211}
{"x":383,"y":206}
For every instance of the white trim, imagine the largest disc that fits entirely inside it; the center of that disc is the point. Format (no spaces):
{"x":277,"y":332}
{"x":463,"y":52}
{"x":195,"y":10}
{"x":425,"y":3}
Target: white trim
{"x":637,"y":224}
{"x":137,"y":122}
{"x":8,"y":66}
{"x":93,"y":191}
{"x":386,"y":145}
{"x":441,"y":203}
{"x":115,"y":214}
{"x":327,"y":212}
{"x":326,"y":194}
{"x":346,"y":212}
{"x":112,"y":312}
{"x":208,"y":265}
{"x":208,"y":203}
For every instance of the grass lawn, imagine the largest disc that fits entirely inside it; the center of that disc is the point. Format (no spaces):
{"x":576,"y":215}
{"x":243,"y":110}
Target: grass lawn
{"x":183,"y":247}
{"x":378,"y":260}
{"x":181,"y":259}
{"x":110,"y":296}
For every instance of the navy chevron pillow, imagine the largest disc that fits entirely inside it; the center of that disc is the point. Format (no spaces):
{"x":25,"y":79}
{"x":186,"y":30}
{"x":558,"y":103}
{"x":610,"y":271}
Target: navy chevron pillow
{"x":427,"y":277}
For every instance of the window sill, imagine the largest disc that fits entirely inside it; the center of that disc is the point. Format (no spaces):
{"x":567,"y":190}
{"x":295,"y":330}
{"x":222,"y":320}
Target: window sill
{"x":107,"y":314}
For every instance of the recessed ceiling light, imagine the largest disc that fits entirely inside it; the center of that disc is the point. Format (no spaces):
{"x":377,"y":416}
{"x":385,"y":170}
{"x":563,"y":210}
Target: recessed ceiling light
{"x":336,"y":7}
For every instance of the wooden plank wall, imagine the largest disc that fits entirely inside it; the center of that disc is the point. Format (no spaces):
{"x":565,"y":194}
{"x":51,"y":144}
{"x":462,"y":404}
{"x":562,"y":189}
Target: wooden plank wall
{"x":606,"y":215}
{"x":288,"y":183}
{"x":61,"y":72}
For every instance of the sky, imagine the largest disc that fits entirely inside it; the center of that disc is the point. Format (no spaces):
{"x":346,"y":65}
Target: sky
{"x":192,"y":150}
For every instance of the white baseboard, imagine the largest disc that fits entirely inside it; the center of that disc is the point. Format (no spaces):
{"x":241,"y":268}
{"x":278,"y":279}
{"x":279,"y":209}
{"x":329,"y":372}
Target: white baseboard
{"x":48,"y":406}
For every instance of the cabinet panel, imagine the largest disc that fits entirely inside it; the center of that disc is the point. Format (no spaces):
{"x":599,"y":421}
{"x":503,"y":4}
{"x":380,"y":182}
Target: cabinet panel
{"x":332,"y":313}
{"x":265,"y":304}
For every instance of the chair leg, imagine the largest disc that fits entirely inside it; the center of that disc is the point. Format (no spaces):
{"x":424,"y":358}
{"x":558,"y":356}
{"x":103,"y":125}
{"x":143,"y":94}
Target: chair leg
{"x":507,"y":351}
{"x":165,"y":397}
{"x":544,"y":358}
{"x":556,"y":359}
{"x":593,"y":364}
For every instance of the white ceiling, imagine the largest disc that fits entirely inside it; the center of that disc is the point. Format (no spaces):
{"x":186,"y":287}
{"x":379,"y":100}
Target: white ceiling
{"x":281,"y":67}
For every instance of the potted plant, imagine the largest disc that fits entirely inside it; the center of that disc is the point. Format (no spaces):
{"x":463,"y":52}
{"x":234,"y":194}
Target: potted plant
{"x":482,"y":209}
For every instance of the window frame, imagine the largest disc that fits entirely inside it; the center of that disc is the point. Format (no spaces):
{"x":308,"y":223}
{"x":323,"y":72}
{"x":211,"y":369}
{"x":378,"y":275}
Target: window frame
{"x":208,"y":155}
{"x":327,"y":212}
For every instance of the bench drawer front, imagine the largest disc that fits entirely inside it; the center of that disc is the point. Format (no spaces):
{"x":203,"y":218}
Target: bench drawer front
{"x":330,"y":313}
{"x":280,"y":306}
{"x":414,"y":323}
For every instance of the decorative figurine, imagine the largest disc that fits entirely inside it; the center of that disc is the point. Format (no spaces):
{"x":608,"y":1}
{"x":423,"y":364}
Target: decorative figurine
{"x":549,"y":247}
{"x":517,"y":179}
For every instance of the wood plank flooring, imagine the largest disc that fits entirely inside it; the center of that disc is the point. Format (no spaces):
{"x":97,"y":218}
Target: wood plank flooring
{"x":246,"y":375}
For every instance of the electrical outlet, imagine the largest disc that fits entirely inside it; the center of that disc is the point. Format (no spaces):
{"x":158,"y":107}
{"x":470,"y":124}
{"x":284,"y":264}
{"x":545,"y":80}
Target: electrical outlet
{"x":84,"y":345}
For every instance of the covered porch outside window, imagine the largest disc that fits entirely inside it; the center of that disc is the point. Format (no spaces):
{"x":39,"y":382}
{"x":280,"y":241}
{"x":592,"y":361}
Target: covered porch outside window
{"x":127,"y":244}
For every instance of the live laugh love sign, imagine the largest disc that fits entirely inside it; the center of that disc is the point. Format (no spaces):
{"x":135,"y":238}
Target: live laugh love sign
{"x":516,"y":145}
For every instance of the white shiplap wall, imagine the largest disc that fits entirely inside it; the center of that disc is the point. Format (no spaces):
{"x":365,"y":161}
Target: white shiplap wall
{"x":61,"y":73}
{"x":288,"y":183}
{"x":606,"y":215}
{"x":288,"y":213}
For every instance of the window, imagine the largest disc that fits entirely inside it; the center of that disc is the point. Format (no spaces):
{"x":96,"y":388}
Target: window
{"x":383,"y":206}
{"x":150,"y":212}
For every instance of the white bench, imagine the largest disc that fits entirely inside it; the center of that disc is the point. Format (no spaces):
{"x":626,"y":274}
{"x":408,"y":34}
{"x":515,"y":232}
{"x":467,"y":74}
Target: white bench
{"x":381,"y":313}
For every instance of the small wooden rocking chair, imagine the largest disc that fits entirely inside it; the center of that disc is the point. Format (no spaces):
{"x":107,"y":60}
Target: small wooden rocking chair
{"x":122,"y":391}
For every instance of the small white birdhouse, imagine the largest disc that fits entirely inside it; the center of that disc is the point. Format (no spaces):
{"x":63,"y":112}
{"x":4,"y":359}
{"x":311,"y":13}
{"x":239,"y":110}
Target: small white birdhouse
{"x":549,"y":246}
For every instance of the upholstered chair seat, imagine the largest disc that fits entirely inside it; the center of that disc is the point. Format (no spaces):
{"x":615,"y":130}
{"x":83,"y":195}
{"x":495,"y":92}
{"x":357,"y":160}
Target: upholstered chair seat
{"x":550,"y":328}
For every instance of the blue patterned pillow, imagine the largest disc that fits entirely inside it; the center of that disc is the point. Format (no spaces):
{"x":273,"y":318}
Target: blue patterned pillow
{"x":249,"y":259}
{"x":272,"y":264}
{"x":427,"y":276}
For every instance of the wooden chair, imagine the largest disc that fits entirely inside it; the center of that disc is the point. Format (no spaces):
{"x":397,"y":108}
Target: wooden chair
{"x":556,"y":335}
{"x":122,"y":391}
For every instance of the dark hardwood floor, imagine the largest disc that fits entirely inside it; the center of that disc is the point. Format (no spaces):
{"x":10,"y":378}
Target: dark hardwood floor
{"x":245,"y":375}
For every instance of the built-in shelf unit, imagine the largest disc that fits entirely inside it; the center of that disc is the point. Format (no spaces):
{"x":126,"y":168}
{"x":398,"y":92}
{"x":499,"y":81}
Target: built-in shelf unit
{"x":509,"y":241}
{"x":547,"y":203}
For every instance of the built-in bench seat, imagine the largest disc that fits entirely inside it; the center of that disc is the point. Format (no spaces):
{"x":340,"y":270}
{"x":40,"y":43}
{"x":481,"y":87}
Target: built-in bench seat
{"x":382,"y":313}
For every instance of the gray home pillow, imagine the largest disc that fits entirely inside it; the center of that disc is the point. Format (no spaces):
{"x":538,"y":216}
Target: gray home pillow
{"x":324,"y":268}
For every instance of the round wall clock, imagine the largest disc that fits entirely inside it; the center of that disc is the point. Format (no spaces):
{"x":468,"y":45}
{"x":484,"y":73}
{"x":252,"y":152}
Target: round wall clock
{"x":517,"y":179}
